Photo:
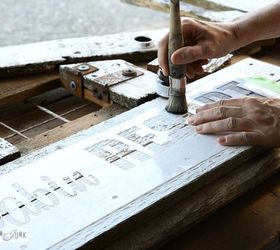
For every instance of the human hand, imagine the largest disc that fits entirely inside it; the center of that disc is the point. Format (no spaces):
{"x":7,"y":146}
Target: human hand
{"x":203,"y":40}
{"x":254,"y":121}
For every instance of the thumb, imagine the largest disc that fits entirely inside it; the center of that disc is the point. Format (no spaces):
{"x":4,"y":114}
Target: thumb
{"x":188,"y":54}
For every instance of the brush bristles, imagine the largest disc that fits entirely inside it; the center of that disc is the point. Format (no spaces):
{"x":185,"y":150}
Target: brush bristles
{"x":177,"y":104}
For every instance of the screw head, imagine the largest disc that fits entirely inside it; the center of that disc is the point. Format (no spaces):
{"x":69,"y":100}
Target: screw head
{"x":83,"y":67}
{"x":73,"y":86}
{"x":129,"y":72}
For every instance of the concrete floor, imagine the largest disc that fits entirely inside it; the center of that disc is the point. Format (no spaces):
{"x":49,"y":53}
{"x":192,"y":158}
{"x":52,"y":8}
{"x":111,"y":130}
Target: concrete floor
{"x":38,"y":20}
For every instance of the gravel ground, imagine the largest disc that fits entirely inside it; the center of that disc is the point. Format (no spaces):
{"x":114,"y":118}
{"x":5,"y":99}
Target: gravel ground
{"x":26,"y":21}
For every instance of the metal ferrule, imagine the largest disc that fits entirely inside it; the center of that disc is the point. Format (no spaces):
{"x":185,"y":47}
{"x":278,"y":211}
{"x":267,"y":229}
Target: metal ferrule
{"x":177,"y":86}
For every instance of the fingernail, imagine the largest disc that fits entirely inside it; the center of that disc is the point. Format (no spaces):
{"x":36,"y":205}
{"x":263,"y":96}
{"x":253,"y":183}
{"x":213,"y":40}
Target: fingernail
{"x":191,"y":120}
{"x":198,"y":128}
{"x":222,"y":140}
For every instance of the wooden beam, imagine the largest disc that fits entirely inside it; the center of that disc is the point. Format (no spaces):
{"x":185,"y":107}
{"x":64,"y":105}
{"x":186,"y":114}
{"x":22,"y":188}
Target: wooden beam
{"x":19,"y":89}
{"x":47,"y":56}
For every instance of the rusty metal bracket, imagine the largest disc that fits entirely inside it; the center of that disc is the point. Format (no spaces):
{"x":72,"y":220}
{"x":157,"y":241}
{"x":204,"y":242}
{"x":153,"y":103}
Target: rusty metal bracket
{"x":72,"y":77}
{"x":100,"y":85}
{"x":79,"y":79}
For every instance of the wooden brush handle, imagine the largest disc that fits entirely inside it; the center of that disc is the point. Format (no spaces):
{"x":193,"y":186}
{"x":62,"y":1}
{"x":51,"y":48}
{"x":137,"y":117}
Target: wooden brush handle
{"x":175,"y":39}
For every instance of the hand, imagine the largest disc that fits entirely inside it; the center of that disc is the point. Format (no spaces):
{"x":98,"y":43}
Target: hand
{"x":203,"y":40}
{"x":254,"y":121}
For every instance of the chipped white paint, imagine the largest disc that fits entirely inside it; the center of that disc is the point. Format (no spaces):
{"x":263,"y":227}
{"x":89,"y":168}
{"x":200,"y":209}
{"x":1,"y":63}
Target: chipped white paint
{"x":129,"y":93}
{"x":115,"y":167}
{"x":7,"y":151}
{"x":47,"y":55}
{"x":242,"y":5}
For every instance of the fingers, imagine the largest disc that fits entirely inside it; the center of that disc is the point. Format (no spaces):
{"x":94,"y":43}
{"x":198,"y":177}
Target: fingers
{"x":217,"y":113}
{"x":163,"y":55}
{"x":230,"y":124}
{"x":243,"y":138}
{"x":188,"y":54}
{"x":224,"y":102}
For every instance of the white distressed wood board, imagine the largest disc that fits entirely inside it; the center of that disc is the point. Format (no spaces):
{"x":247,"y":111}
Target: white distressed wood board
{"x":172,"y":157}
{"x":242,"y":5}
{"x":212,"y":10}
{"x":128,"y":164}
{"x":129,"y":93}
{"x":47,"y":56}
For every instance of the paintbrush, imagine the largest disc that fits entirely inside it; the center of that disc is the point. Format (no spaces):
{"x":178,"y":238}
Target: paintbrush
{"x":177,"y":102}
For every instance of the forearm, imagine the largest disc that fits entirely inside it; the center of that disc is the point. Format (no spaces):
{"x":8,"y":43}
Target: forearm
{"x":257,"y":25}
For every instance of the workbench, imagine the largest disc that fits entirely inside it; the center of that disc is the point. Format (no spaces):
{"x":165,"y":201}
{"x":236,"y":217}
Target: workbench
{"x":36,"y":112}
{"x":252,"y":221}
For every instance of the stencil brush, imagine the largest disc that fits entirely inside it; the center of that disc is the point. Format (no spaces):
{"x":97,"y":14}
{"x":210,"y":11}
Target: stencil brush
{"x":177,"y":102}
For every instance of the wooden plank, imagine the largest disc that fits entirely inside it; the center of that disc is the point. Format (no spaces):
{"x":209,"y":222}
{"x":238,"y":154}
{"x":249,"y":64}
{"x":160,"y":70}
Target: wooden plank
{"x":157,"y":139}
{"x":130,"y":93}
{"x":182,"y":215}
{"x":213,"y":10}
{"x":191,"y":10}
{"x":8,"y":152}
{"x":19,"y":89}
{"x":250,"y":222}
{"x":68,"y":129}
{"x":47,"y":56}
{"x":241,"y":5}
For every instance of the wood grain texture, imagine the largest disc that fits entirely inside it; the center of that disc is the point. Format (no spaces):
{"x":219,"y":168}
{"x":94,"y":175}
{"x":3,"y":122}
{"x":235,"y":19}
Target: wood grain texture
{"x":8,"y":152}
{"x":187,"y":212}
{"x":250,"y":222}
{"x":214,"y":10}
{"x":47,"y":56}
{"x":19,"y":89}
{"x":191,"y":9}
{"x":130,"y":93}
{"x":68,"y":129}
{"x":171,"y":184}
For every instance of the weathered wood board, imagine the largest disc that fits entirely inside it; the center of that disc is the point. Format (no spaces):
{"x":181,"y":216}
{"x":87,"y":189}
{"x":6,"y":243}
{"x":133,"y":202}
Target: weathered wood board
{"x":190,"y":10}
{"x":128,"y":93}
{"x":19,"y":89}
{"x":213,"y":10}
{"x":8,"y":152}
{"x":47,"y":56}
{"x":121,"y":168}
{"x":123,"y":171}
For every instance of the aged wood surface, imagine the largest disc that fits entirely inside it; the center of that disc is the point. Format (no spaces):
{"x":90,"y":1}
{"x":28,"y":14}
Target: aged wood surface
{"x":47,"y":56}
{"x":8,"y":152}
{"x":122,"y":172}
{"x":187,"y":212}
{"x":214,"y":10}
{"x":68,"y":129}
{"x":189,"y":9}
{"x":148,"y":140}
{"x":129,"y":93}
{"x":250,"y":222}
{"x":19,"y":89}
